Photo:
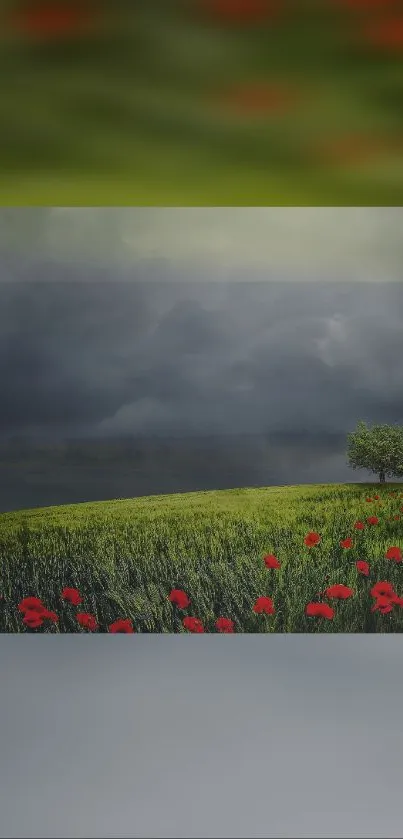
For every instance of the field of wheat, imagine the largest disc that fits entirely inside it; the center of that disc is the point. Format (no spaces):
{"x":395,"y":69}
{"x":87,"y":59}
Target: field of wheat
{"x":281,"y":559}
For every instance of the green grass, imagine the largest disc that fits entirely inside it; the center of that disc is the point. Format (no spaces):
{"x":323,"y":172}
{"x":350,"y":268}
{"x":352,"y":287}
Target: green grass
{"x":126,"y":555}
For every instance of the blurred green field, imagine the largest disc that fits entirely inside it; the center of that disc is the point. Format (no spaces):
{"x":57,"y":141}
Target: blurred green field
{"x":163,"y":105}
{"x":125,"y":556}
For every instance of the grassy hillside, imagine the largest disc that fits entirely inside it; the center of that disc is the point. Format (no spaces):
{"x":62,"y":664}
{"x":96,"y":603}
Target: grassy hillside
{"x":125,"y":557}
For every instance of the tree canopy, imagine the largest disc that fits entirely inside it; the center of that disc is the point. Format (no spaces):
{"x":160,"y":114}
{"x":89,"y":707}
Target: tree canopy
{"x":378,"y":449}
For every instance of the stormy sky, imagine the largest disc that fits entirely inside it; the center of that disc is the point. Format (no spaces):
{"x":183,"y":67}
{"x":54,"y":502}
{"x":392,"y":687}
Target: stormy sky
{"x":268,"y":332}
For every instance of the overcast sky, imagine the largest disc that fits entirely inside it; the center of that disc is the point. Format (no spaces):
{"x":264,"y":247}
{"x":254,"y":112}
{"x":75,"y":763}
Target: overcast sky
{"x":250,"y":736}
{"x":203,"y":322}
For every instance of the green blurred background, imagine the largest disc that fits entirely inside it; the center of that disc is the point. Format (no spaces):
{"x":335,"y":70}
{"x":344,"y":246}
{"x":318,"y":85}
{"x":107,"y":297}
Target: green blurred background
{"x":201,"y":102}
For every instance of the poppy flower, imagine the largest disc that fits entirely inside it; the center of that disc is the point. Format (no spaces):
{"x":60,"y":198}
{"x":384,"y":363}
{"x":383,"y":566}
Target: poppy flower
{"x":264,"y":605}
{"x":33,"y":619}
{"x":362,"y":567}
{"x":382,"y":589}
{"x":271,"y":561}
{"x":319,"y":610}
{"x":72,"y":595}
{"x":346,"y":543}
{"x":240,"y":12}
{"x":312,"y":539}
{"x":87,"y":621}
{"x":49,"y":616}
{"x":123,"y":625}
{"x":179,"y":598}
{"x":394,"y":553}
{"x":359,"y":525}
{"x":224,"y":625}
{"x":384,"y":605}
{"x":339,"y":592}
{"x":396,"y":518}
{"x":368,"y":499}
{"x":193,"y":625}
{"x":32,"y":604}
{"x":46,"y":19}
{"x":386,"y":34}
{"x":373,"y":520}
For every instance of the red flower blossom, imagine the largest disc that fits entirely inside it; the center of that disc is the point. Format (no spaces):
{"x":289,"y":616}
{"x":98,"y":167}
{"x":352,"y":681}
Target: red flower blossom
{"x":193,"y":625}
{"x":312,"y":539}
{"x":179,"y":598}
{"x":382,"y":589}
{"x":346,"y":543}
{"x":368,"y":499}
{"x":264,"y":604}
{"x":319,"y":610}
{"x":383,"y":605}
{"x":376,"y":497}
{"x":394,"y":553}
{"x":373,"y":520}
{"x":359,"y":525}
{"x":123,"y":625}
{"x":387,"y":34}
{"x":33,"y":619}
{"x":50,"y":616}
{"x":55,"y":19}
{"x":224,"y":625}
{"x":87,"y":621}
{"x":339,"y":592}
{"x":271,"y":561}
{"x":32,"y":604}
{"x":362,"y":567}
{"x":396,"y":518}
{"x":72,"y":595}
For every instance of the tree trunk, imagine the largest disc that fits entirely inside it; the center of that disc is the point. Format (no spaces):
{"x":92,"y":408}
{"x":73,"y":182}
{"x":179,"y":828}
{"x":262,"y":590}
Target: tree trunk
{"x":382,"y":478}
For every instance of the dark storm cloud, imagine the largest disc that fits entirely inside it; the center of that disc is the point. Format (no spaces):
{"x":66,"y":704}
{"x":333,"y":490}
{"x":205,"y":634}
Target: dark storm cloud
{"x":129,"y":357}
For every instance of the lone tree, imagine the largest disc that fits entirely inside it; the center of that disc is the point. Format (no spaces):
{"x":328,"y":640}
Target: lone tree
{"x":378,"y":449}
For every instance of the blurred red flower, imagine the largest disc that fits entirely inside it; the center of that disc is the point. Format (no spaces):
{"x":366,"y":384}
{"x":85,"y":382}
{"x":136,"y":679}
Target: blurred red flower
{"x":271,"y":561}
{"x":224,"y":625}
{"x":339,"y":592}
{"x":72,"y":595}
{"x":193,"y":625}
{"x":32,"y":604}
{"x":373,"y":520}
{"x":383,"y":604}
{"x":55,"y":19}
{"x":319,"y":610}
{"x":362,"y":567}
{"x":87,"y":621}
{"x":241,"y":11}
{"x":346,"y":543}
{"x":382,"y":589}
{"x":264,"y":605}
{"x":312,"y":539}
{"x":33,"y":619}
{"x":123,"y":625}
{"x":179,"y":598}
{"x":394,"y":553}
{"x":359,"y":525}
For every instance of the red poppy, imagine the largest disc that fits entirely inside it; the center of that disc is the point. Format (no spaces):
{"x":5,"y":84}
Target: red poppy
{"x":319,"y":610}
{"x":383,"y":605}
{"x":32,"y":604}
{"x":386,"y":34}
{"x":123,"y":625}
{"x":373,"y":520}
{"x":224,"y":625}
{"x":264,"y":605}
{"x":193,"y":625}
{"x":368,"y":499}
{"x":376,"y":497}
{"x":179,"y":598}
{"x":72,"y":595}
{"x":50,"y":616}
{"x":240,"y":12}
{"x":394,"y":553}
{"x":346,"y":543}
{"x":312,"y":539}
{"x":362,"y":567}
{"x":359,"y":525}
{"x":383,"y":588}
{"x":339,"y":592}
{"x":396,"y":518}
{"x":52,"y":19}
{"x":33,"y":619}
{"x":271,"y":561}
{"x":87,"y":621}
